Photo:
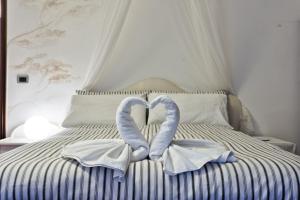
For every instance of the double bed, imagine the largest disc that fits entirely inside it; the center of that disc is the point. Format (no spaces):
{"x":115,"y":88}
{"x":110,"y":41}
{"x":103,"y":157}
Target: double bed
{"x":262,"y":171}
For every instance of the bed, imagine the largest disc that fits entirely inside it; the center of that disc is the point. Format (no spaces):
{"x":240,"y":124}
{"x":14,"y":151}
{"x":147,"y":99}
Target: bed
{"x":263,"y":171}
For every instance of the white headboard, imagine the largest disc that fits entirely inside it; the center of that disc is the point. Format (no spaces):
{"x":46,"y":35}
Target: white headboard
{"x":155,"y":84}
{"x":234,"y":105}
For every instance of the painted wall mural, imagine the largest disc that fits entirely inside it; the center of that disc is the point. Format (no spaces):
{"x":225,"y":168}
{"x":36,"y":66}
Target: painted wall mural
{"x":51,"y":69}
{"x":51,"y":14}
{"x":47,"y":40}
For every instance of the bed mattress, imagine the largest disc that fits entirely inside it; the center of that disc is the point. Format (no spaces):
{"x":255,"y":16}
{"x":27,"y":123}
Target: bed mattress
{"x":36,"y":171}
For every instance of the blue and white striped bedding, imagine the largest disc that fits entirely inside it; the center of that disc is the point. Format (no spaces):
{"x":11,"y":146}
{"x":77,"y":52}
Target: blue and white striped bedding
{"x":36,"y":171}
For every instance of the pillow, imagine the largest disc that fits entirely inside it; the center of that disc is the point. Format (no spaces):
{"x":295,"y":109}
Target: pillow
{"x":194,"y":108}
{"x":100,"y":109}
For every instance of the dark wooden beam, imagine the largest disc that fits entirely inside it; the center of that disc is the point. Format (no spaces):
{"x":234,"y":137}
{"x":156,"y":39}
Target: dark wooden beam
{"x":3,"y":69}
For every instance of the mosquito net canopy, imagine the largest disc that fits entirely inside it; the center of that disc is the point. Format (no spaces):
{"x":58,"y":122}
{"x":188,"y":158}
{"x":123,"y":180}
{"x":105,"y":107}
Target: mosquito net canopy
{"x":170,"y":39}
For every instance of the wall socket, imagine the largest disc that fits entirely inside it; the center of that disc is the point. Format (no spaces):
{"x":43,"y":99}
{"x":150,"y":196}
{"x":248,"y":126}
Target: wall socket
{"x":22,"y":78}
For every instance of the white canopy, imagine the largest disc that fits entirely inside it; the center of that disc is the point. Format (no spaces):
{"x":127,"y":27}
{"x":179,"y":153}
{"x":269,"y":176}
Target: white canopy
{"x":171,"y":39}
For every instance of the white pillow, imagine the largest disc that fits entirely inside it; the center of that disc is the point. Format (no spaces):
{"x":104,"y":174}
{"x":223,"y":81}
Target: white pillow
{"x":194,"y":108}
{"x":100,"y":109}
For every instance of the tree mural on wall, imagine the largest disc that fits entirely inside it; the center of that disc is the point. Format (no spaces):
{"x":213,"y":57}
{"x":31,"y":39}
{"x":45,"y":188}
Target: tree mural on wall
{"x":40,"y":52}
{"x":52,"y":13}
{"x":53,"y":70}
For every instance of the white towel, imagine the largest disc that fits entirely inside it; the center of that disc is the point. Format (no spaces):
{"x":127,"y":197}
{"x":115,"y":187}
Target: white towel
{"x":180,"y":156}
{"x":189,"y":155}
{"x":168,"y":128}
{"x":113,"y":153}
{"x":128,"y":129}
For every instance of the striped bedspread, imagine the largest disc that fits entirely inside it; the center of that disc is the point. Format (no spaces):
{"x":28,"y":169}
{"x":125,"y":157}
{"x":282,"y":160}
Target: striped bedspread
{"x":36,"y":171}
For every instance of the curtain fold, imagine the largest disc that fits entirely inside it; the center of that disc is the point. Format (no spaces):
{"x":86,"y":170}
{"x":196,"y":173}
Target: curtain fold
{"x":114,"y":14}
{"x":172,"y":39}
{"x":196,"y":25}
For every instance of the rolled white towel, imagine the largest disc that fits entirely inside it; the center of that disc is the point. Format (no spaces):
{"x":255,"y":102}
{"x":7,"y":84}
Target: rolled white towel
{"x":128,"y":129}
{"x":113,"y":153}
{"x":180,"y":156}
{"x":168,"y":128}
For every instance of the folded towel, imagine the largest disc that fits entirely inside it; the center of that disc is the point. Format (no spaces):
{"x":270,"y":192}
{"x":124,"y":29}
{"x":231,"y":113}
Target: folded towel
{"x":168,"y":128}
{"x":113,"y":153}
{"x":189,"y":155}
{"x":128,"y":129}
{"x":180,"y":156}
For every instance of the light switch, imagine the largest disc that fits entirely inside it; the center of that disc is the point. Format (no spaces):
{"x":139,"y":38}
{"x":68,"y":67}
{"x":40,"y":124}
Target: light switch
{"x":22,"y":78}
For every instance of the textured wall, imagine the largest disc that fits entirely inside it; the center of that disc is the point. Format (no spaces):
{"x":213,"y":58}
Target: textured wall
{"x":51,"y":41}
{"x":263,"y":46}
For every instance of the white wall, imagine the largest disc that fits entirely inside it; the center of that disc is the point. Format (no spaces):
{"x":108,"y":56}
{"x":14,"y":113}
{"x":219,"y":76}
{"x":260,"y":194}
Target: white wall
{"x":262,"y":40}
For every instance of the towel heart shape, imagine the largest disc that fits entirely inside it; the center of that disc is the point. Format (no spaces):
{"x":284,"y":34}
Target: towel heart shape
{"x":131,"y":134}
{"x":177,"y":156}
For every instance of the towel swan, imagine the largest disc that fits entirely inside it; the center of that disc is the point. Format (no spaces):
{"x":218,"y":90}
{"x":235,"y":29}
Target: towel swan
{"x":180,"y":156}
{"x":177,"y":156}
{"x":168,"y":128}
{"x":115,"y":154}
{"x":128,"y":129}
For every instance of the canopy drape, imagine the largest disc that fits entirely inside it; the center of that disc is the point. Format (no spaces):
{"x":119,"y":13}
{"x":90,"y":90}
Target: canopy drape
{"x":173,"y":39}
{"x":113,"y":17}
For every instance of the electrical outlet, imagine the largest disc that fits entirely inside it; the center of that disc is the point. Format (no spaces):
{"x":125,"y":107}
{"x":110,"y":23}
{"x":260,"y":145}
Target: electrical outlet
{"x":22,"y":78}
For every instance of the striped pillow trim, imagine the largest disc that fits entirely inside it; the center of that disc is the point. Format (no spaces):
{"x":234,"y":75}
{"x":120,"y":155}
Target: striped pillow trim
{"x":137,"y":92}
{"x":85,"y":92}
{"x":101,"y":126}
{"x":193,"y":92}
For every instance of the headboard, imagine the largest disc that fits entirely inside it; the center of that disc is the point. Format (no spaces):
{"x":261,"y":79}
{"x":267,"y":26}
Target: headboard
{"x":155,"y":84}
{"x":234,"y":105}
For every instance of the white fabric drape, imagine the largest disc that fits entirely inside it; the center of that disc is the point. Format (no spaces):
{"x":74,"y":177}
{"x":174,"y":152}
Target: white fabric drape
{"x":196,"y":25}
{"x":113,"y":17}
{"x":173,"y":39}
